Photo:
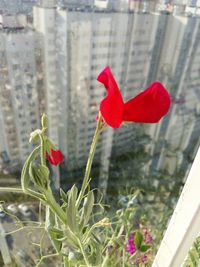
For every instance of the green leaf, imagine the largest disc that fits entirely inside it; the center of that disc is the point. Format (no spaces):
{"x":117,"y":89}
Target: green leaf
{"x":98,"y":254}
{"x":192,"y":258}
{"x":34,"y":175}
{"x":138,"y":239}
{"x":50,"y":218}
{"x":55,"y":235}
{"x":70,"y":239}
{"x":71,"y":208}
{"x":63,"y":195}
{"x":44,"y":171}
{"x":44,"y":174}
{"x":87,"y":208}
{"x":39,"y":175}
{"x":144,"y":248}
{"x":25,"y":177}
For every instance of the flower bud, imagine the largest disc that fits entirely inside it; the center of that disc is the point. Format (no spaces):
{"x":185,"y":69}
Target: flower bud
{"x":35,"y":136}
{"x":44,"y":121}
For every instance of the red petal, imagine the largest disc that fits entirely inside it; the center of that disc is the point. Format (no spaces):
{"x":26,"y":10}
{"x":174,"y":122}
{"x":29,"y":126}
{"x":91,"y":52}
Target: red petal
{"x":112,"y":105}
{"x":149,"y":106}
{"x":56,"y":157}
{"x":49,"y":158}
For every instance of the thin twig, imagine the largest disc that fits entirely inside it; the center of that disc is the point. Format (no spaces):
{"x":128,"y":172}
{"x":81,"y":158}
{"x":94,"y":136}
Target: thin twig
{"x":22,"y":228}
{"x":46,"y":257}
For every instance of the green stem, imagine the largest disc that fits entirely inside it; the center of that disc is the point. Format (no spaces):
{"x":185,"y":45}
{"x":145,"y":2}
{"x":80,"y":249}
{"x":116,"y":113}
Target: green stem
{"x":21,"y":191}
{"x":11,"y":189}
{"x":42,"y":151}
{"x":105,"y":261}
{"x":34,"y":194}
{"x":46,"y":257}
{"x":90,"y":160}
{"x":84,"y":255}
{"x":123,"y":258}
{"x":54,"y":206}
{"x":49,"y":199}
{"x":65,"y":262}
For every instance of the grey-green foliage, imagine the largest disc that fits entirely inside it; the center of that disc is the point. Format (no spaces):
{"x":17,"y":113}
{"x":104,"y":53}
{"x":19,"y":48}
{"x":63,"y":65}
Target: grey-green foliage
{"x":193,"y":257}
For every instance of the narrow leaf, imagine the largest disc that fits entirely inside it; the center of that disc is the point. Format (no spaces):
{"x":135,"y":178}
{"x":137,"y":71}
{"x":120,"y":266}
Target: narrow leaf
{"x":70,"y":239}
{"x":87,"y":208}
{"x":71,"y":208}
{"x":50,"y":218}
{"x":25,"y":178}
{"x":144,"y":248}
{"x":63,"y":195}
{"x":138,"y":239}
{"x":55,"y":235}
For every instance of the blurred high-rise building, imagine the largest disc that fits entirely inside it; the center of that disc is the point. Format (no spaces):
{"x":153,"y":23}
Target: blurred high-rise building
{"x":18,"y":89}
{"x":178,"y":69}
{"x":80,"y":45}
{"x":76,"y":46}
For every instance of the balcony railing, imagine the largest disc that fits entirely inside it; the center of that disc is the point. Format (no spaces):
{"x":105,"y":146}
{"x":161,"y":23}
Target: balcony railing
{"x":184,"y":225}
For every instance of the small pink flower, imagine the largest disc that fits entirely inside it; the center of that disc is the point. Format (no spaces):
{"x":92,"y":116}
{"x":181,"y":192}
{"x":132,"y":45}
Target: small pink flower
{"x":142,"y":259}
{"x":148,"y":239}
{"x":130,"y":246}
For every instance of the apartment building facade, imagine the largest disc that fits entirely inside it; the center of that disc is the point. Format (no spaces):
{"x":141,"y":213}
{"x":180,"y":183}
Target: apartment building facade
{"x":18,"y":92}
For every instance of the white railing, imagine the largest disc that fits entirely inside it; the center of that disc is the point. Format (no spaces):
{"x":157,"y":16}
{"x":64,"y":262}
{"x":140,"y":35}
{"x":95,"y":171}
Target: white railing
{"x":184,"y":225}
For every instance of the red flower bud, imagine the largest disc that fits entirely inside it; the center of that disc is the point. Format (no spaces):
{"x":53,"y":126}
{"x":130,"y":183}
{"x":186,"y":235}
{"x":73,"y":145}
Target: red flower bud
{"x":55,"y":158}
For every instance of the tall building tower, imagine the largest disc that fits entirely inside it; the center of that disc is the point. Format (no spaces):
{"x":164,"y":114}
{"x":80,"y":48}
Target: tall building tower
{"x":45,"y":26}
{"x":141,"y":40}
{"x":76,"y":47}
{"x":51,"y":29}
{"x":18,"y":90}
{"x":185,"y":112}
{"x":174,"y":64}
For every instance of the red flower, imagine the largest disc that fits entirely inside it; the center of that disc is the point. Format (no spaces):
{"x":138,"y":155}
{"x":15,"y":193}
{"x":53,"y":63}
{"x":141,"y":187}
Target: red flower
{"x":56,"y":157}
{"x":147,"y":107}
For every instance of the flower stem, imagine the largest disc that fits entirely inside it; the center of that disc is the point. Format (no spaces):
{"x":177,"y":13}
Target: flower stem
{"x":11,"y":189}
{"x":84,"y":255}
{"x":21,"y":191}
{"x":105,"y":261}
{"x":90,"y":160}
{"x":65,"y":261}
{"x":42,"y":151}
